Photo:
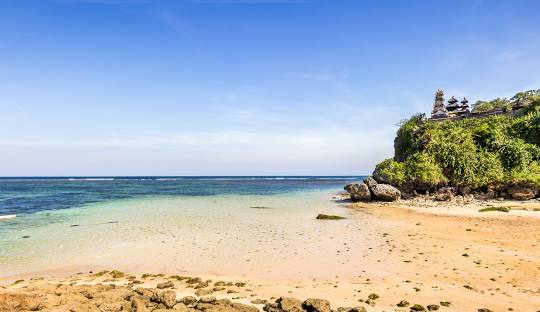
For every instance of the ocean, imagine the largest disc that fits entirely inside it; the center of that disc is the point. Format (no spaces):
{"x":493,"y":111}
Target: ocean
{"x":96,"y":221}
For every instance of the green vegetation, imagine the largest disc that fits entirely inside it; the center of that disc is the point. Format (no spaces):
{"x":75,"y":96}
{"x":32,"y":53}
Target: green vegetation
{"x":329,"y":217}
{"x":500,"y":209}
{"x":523,"y":98}
{"x":473,"y":152}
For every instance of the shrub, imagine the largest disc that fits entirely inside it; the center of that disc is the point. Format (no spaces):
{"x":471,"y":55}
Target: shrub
{"x":422,"y":171}
{"x":390,"y":171}
{"x":407,"y":138}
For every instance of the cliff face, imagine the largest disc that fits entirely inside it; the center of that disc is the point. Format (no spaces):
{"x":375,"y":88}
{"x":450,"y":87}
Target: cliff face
{"x":499,"y":153}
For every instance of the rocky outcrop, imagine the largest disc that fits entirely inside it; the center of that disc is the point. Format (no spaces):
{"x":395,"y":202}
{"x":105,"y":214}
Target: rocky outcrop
{"x":379,"y":190}
{"x":316,"y":305}
{"x":284,"y":304}
{"x":371,"y":190}
{"x":370,"y":182}
{"x":522,"y":192}
{"x":385,"y":192}
{"x":358,"y":192}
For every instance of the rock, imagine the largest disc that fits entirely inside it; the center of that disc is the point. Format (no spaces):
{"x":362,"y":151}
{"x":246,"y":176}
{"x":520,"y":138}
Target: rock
{"x":358,"y":192}
{"x":194,"y":280}
{"x":444,"y":194}
{"x":316,"y":305}
{"x":433,"y":307}
{"x":371,"y":302}
{"x":403,"y":304}
{"x":407,"y":196}
{"x":522,"y":192}
{"x":138,"y":305}
{"x":201,"y":285}
{"x":464,"y":190}
{"x":189,"y":300}
{"x":208,"y":299}
{"x":370,"y":182}
{"x":289,"y":304}
{"x":484,"y":310}
{"x":349,"y":309}
{"x":164,"y":285}
{"x":328,"y":217}
{"x":418,"y":307}
{"x":203,"y":292}
{"x":20,"y":302}
{"x":272,"y":307}
{"x":373,"y":296}
{"x":386,"y":192}
{"x":145,"y":293}
{"x":259,"y":301}
{"x":167,"y":298}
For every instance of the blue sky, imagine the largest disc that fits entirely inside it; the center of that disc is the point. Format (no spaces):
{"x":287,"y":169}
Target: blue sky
{"x":239,"y":87}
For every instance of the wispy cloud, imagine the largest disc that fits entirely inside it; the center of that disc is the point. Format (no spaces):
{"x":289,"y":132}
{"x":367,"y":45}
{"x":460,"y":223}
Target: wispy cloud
{"x":507,"y":56}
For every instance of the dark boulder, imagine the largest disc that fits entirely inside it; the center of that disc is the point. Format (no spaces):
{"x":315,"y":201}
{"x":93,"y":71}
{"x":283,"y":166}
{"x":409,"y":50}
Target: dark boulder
{"x":358,"y":192}
{"x":370,"y":182}
{"x":386,"y":192}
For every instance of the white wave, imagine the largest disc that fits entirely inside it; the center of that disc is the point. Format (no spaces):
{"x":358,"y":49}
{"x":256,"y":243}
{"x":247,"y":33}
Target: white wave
{"x":8,"y":217}
{"x":91,"y":179}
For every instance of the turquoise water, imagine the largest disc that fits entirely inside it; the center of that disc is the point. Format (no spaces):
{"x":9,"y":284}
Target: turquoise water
{"x":87,"y":221}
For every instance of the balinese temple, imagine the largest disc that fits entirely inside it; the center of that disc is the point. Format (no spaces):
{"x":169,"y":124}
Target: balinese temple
{"x":452,"y":106}
{"x":439,"y":110}
{"x":464,"y":108}
{"x":453,"y":109}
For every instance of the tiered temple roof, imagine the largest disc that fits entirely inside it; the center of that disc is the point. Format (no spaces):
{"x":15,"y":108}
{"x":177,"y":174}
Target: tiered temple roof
{"x":453,"y":109}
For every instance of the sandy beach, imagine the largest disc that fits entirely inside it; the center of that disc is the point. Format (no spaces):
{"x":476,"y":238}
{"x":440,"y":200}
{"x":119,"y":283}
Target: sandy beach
{"x":464,"y":260}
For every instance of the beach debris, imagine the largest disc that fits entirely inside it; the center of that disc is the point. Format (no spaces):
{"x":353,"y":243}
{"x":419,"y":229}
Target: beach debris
{"x":261,"y":207}
{"x":484,"y":310}
{"x":328,"y":217}
{"x":433,"y":307}
{"x":445,"y":303}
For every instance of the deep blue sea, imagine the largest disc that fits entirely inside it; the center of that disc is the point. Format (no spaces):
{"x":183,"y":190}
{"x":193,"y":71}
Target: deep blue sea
{"x":34,"y":194}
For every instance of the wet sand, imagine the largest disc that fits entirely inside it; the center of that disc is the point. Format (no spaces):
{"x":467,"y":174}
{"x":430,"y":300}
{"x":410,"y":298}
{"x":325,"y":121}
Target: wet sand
{"x":424,"y":256}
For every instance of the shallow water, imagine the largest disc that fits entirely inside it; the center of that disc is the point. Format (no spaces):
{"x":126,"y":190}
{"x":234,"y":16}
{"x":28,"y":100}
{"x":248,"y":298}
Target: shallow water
{"x":222,"y":226}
